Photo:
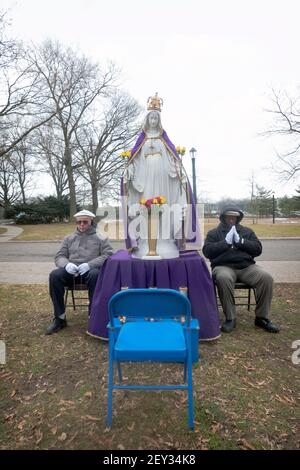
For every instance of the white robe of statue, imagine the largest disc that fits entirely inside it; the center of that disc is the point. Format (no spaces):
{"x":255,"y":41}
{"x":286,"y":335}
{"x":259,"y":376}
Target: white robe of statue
{"x":154,"y":171}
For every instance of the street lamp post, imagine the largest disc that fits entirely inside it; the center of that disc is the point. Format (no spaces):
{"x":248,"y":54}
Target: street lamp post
{"x":273,"y":207}
{"x":193,"y":152}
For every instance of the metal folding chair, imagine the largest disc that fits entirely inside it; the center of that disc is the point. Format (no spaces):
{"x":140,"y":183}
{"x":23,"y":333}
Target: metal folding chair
{"x":243,"y":298}
{"x":77,"y":287}
{"x":150,"y":325}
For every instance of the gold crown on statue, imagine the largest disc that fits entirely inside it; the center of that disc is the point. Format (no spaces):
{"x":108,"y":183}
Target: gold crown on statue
{"x":154,"y":103}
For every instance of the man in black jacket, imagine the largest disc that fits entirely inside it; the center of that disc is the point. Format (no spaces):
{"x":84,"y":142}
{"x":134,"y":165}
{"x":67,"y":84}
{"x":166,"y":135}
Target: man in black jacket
{"x":231,"y":249}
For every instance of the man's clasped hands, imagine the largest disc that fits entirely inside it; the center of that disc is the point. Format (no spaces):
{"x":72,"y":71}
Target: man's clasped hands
{"x":232,"y":236}
{"x":71,"y":268}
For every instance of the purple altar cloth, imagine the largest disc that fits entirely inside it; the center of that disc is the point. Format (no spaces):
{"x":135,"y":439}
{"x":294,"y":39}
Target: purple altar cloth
{"x":189,"y":270}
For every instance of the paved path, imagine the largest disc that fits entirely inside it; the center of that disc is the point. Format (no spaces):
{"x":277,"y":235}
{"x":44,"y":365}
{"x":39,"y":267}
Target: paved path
{"x":15,"y":251}
{"x":31,"y":262}
{"x":26,"y":272}
{"x":11,"y":232}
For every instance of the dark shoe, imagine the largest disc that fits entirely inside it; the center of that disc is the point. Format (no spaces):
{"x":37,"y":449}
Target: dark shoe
{"x":56,"y":325}
{"x":266,"y":324}
{"x":228,"y":326}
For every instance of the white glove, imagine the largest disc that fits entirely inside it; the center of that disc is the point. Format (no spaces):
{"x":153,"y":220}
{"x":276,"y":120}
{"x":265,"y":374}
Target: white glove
{"x":83,"y":268}
{"x":229,"y":236}
{"x":236,"y":236}
{"x":71,"y":268}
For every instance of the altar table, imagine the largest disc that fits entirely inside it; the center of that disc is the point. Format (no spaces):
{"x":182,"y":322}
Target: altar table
{"x":189,"y":270}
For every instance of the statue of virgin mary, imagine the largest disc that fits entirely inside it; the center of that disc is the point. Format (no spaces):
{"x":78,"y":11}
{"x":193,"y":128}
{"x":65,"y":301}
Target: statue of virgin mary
{"x":155,"y":170}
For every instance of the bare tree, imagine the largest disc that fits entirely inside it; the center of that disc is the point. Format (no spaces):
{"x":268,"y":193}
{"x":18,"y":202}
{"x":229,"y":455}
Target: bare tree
{"x":16,"y":174}
{"x":100,"y":144}
{"x":23,"y":101}
{"x":9,"y":48}
{"x":9,"y":188}
{"x":49,"y":151}
{"x":74,"y":83}
{"x":22,"y":163}
{"x":286,"y":112}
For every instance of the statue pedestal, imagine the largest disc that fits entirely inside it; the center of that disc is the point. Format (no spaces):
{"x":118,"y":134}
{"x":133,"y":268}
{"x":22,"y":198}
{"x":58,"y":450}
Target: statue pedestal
{"x":165,"y":249}
{"x":153,"y":257}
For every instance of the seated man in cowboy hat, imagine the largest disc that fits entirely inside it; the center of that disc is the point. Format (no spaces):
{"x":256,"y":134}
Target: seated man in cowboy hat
{"x":81,"y":256}
{"x":231,"y":249}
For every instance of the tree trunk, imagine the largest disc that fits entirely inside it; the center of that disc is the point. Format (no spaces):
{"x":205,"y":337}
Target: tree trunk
{"x":95,"y":198}
{"x":72,"y":193}
{"x":71,"y":182}
{"x":6,"y":205}
{"x":23,"y":194}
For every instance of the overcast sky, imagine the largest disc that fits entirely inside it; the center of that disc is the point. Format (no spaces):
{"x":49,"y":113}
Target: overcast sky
{"x":213,"y":62}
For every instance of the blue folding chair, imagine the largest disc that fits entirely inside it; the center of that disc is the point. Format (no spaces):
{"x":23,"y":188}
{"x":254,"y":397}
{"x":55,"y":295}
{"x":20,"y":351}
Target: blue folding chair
{"x":150,"y":325}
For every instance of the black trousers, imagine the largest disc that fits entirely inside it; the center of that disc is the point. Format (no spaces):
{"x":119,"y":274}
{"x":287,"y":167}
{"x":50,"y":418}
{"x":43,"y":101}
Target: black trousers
{"x":59,"y":278}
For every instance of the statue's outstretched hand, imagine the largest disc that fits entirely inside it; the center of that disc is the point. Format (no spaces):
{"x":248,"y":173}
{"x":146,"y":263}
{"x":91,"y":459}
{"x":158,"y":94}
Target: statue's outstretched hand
{"x":134,"y":210}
